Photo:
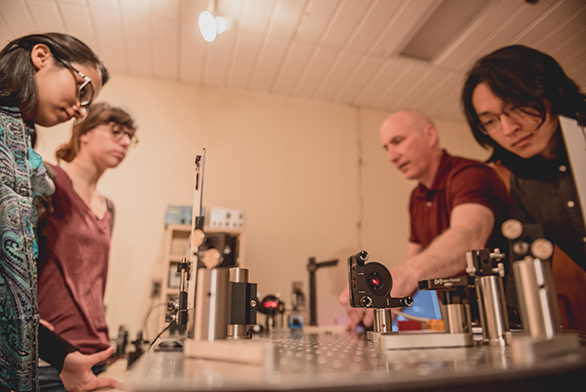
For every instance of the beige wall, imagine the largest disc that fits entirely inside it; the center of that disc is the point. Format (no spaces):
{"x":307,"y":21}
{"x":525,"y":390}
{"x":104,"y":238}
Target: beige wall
{"x":292,"y":165}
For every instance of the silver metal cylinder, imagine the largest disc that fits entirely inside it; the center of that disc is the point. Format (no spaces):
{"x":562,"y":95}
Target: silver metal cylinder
{"x":493,"y":310}
{"x":239,"y":275}
{"x":456,"y":318}
{"x":212,"y":304}
{"x":237,"y":331}
{"x":538,"y":305}
{"x":382,"y":320}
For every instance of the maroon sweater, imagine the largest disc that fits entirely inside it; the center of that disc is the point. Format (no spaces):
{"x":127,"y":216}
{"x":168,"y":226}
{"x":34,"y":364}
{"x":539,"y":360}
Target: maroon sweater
{"x":74,"y":247}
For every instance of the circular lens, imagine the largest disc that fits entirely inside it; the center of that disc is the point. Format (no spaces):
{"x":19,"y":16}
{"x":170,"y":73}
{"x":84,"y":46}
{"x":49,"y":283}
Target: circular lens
{"x":375,"y":280}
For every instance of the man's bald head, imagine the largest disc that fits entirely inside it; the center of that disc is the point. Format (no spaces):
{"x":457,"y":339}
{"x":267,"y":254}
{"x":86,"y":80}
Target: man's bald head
{"x":410,"y":120}
{"x":411,"y":140}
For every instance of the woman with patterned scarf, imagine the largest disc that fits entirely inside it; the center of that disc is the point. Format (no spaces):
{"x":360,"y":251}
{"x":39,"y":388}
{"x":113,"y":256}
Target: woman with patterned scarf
{"x":45,"y":79}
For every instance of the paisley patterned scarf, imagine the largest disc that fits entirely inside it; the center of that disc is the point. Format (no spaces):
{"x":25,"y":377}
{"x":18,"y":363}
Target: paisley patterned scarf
{"x":22,"y":177}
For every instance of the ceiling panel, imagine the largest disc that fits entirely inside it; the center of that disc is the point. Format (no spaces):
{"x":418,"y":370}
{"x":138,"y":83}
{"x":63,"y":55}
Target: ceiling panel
{"x":514,"y":25}
{"x":135,"y":7}
{"x":420,"y":90}
{"x":190,"y":10}
{"x":46,"y":16}
{"x":168,"y":9}
{"x":194,"y":54}
{"x":245,"y":57}
{"x":257,"y":15}
{"x":335,"y":51}
{"x":410,"y":78}
{"x":402,"y":26}
{"x":340,"y":71}
{"x":218,"y":60}
{"x":110,"y":4}
{"x":362,"y":75}
{"x":447,"y":105}
{"x":380,"y":83}
{"x":79,"y":23}
{"x":286,"y":18}
{"x":5,"y":34}
{"x":469,"y":45}
{"x":229,"y":8}
{"x":315,"y":71}
{"x":555,"y":13}
{"x":564,"y":30}
{"x":65,"y":2}
{"x":17,"y":18}
{"x":344,"y":22}
{"x":138,"y":44}
{"x":373,"y":24}
{"x":109,"y":30}
{"x":315,"y":20}
{"x":268,"y":65}
{"x":450,"y":82}
{"x":294,"y":63}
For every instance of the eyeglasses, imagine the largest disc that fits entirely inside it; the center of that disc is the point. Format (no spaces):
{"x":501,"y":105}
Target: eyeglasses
{"x":85,"y":92}
{"x":118,"y":133}
{"x":491,"y":123}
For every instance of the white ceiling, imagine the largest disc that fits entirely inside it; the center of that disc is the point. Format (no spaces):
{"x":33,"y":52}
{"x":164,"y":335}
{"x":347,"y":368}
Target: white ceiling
{"x":337,"y":51}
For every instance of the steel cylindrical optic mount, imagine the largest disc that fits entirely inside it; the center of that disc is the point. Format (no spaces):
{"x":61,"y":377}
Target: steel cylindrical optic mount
{"x":488,"y":271}
{"x":455,"y":304}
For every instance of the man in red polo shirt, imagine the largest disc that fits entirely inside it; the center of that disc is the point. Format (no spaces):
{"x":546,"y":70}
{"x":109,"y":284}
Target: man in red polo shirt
{"x":457,"y":206}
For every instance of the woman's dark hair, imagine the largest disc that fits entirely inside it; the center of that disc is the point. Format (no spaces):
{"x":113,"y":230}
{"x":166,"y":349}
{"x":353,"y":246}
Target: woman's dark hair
{"x":98,"y":114}
{"x":521,"y":77}
{"x":17,"y":72}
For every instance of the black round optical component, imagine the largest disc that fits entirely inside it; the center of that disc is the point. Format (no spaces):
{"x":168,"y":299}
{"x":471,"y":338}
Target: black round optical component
{"x":378,"y":279}
{"x":375,"y":280}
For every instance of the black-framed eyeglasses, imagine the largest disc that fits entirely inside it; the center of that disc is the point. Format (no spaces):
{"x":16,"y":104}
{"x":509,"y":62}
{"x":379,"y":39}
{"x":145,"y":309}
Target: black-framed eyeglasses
{"x":491,"y":123}
{"x":118,"y":133}
{"x":85,"y":92}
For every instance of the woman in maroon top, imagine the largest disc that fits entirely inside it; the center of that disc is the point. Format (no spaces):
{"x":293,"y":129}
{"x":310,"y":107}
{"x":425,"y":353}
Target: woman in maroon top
{"x":74,"y":240}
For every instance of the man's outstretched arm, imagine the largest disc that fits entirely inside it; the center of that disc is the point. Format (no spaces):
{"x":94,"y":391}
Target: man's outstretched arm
{"x":470,"y":228}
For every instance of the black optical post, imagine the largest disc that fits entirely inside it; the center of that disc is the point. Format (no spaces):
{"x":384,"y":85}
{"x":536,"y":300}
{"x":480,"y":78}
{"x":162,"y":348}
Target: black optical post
{"x":313,"y":266}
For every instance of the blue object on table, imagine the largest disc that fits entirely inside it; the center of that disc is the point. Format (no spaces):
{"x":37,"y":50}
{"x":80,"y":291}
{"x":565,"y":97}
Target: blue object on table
{"x":425,"y":304}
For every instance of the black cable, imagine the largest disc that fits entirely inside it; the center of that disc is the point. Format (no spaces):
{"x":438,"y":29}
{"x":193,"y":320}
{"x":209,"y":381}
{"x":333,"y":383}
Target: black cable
{"x":160,"y":333}
{"x":145,"y":326}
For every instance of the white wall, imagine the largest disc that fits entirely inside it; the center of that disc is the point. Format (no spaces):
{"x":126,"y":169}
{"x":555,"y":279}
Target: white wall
{"x":292,"y":165}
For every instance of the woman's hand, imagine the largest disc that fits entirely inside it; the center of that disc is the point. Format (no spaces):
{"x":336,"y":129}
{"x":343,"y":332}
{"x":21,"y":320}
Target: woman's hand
{"x":77,"y":372}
